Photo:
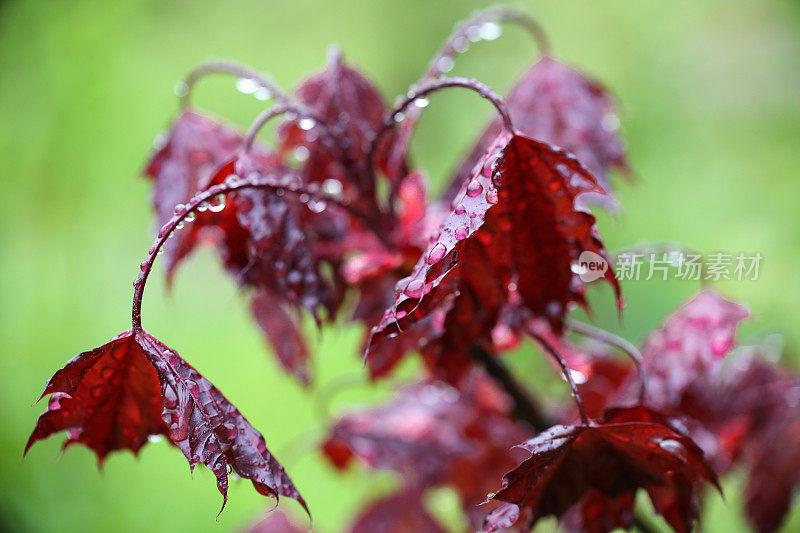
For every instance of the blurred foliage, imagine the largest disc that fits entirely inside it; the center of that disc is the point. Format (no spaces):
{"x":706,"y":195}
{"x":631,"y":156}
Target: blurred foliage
{"x":710,"y":96}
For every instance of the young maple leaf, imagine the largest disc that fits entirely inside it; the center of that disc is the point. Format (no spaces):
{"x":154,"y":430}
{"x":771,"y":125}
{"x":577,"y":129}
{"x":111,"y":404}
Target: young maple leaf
{"x":115,"y":396}
{"x":557,"y":104}
{"x":186,"y":163}
{"x":689,"y":345}
{"x":513,"y":235}
{"x":349,"y":104}
{"x":401,"y":512}
{"x":569,"y":463}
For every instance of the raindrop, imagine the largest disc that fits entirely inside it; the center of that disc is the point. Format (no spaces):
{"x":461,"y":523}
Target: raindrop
{"x":202,"y":207}
{"x":190,"y":217}
{"x":437,"y":252}
{"x":445,"y":64}
{"x":461,"y":45}
{"x":107,"y":372}
{"x":610,"y":122}
{"x":306,"y":123}
{"x":414,"y":288}
{"x":474,"y":33}
{"x":490,"y":31}
{"x":421,"y":102}
{"x":301,"y":153}
{"x":181,"y":89}
{"x":316,"y":206}
{"x":155,"y":438}
{"x":246,"y":85}
{"x":491,"y":196}
{"x":217,"y":203}
{"x":332,"y":186}
{"x":672,"y":446}
{"x":262,"y":93}
{"x":399,"y":116}
{"x":460,"y":209}
{"x":474,"y":189}
{"x":179,"y":225}
{"x":179,"y":209}
{"x":232,"y":179}
{"x":461,"y":233}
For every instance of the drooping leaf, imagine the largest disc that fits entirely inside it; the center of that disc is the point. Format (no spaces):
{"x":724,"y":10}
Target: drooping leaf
{"x":283,"y":334}
{"x":352,"y":108}
{"x":115,"y":396}
{"x":107,"y":399}
{"x":557,"y":104}
{"x":689,"y":345}
{"x":434,"y":435}
{"x":567,"y":463}
{"x":511,"y":240}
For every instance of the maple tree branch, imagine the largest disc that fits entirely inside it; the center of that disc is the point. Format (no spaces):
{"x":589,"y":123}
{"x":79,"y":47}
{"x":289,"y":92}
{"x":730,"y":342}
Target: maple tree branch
{"x":236,"y":69}
{"x":525,"y":407}
{"x":549,"y":348}
{"x":470,"y":28}
{"x":609,"y":338}
{"x":202,"y":198}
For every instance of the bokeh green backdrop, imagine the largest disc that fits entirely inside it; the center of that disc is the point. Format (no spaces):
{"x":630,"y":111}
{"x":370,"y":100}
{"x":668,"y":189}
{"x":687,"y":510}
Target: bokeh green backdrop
{"x":710,"y":96}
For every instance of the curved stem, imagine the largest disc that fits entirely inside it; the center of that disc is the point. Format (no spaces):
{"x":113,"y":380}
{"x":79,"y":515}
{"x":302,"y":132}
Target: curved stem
{"x":618,"y":342}
{"x":420,"y":91}
{"x":565,"y":370}
{"x":260,"y":182}
{"x":464,"y":30}
{"x":235,"y":69}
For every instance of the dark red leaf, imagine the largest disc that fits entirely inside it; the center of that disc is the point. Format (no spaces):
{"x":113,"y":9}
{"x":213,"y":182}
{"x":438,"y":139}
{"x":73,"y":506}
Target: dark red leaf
{"x":511,"y":240}
{"x":568,"y":462}
{"x":433,"y":434}
{"x":689,"y":345}
{"x":109,"y":399}
{"x":283,"y":334}
{"x":557,"y":104}
{"x":401,"y":512}
{"x":354,"y":110}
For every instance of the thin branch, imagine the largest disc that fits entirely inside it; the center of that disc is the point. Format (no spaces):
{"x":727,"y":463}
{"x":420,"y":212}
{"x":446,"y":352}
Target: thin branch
{"x":618,"y":342}
{"x":469,"y":29}
{"x":202,"y":198}
{"x":420,"y":91}
{"x":549,"y":348}
{"x":235,"y":69}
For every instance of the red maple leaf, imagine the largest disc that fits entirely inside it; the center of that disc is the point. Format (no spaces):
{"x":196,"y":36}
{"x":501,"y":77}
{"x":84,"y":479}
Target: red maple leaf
{"x":517,"y":230}
{"x":115,"y":396}
{"x":567,"y":463}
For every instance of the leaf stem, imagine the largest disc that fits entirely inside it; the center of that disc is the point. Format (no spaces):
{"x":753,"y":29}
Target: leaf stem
{"x":235,"y":69}
{"x":609,"y":338}
{"x":549,"y":348}
{"x":258,"y":182}
{"x":463,"y":31}
{"x":420,"y":91}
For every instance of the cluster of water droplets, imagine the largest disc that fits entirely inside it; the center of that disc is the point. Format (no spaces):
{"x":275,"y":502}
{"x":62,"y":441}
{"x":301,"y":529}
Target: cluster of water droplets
{"x":254,"y":87}
{"x":486,"y":31}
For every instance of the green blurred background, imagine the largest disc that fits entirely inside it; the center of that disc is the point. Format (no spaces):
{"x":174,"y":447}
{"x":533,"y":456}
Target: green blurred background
{"x":710,"y":95}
